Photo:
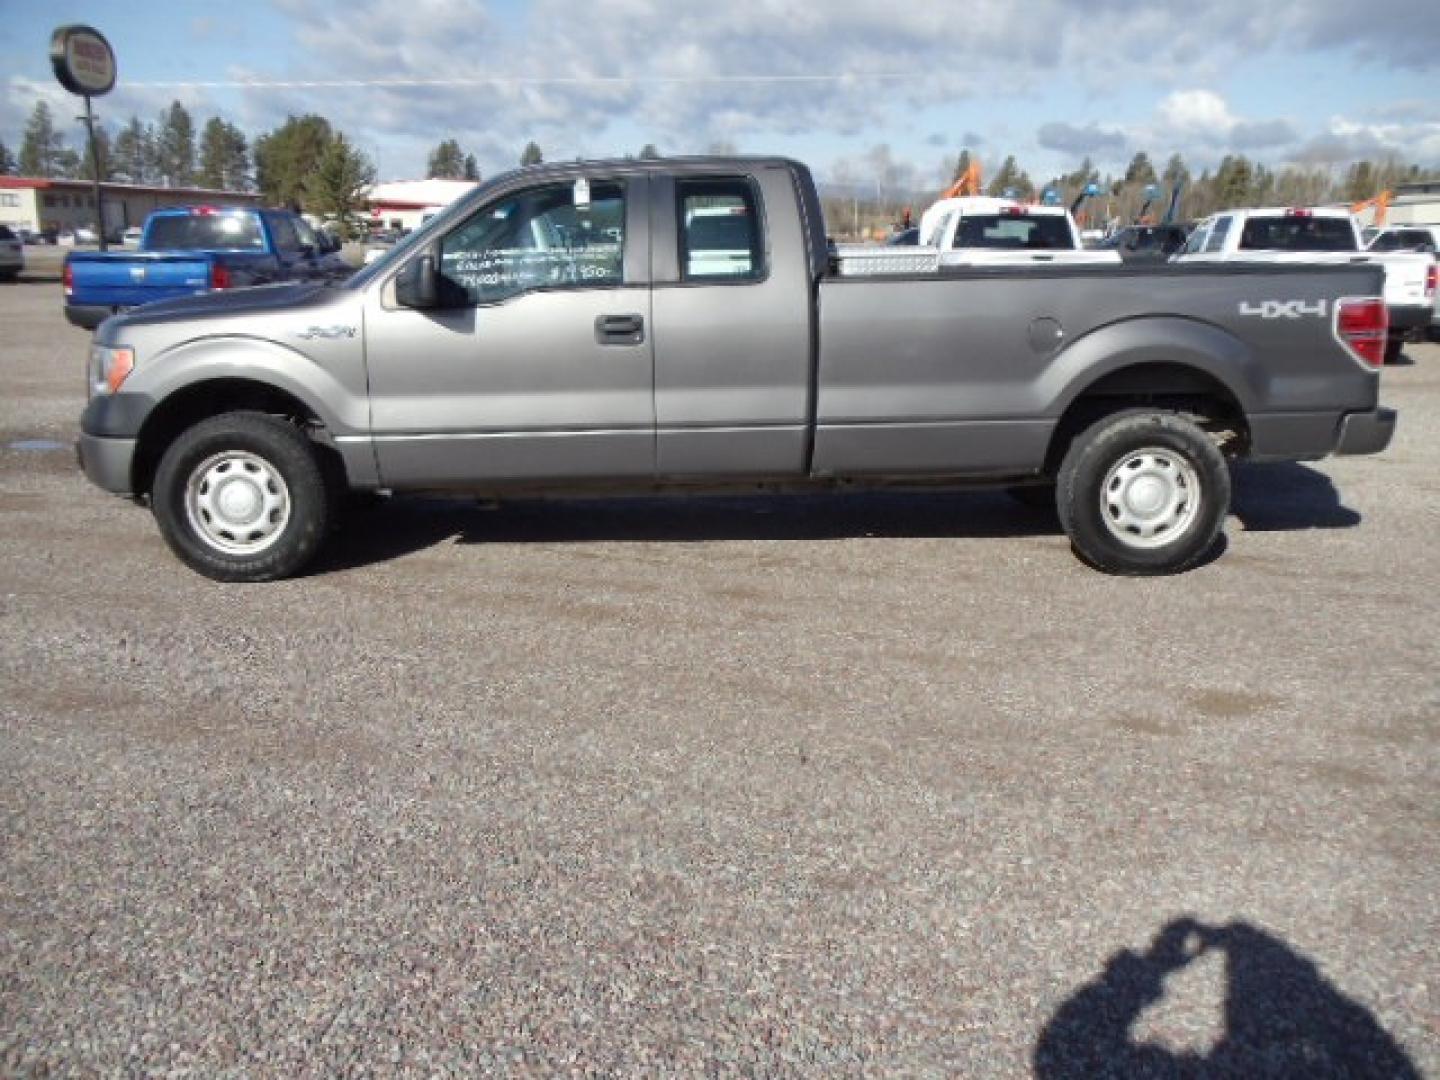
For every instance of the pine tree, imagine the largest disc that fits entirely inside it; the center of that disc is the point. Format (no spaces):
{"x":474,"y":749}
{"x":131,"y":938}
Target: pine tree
{"x":1360,"y":182}
{"x":175,"y":146}
{"x":7,"y":162}
{"x":447,"y":161}
{"x":287,"y":156}
{"x":224,"y":157}
{"x":83,"y":166}
{"x":1140,"y":171}
{"x":337,"y":186}
{"x":962,"y":164}
{"x":649,"y":153}
{"x":531,"y":154}
{"x":1009,"y":178}
{"x":128,"y":158}
{"x":472,"y":170}
{"x":1175,"y":172}
{"x":42,"y":150}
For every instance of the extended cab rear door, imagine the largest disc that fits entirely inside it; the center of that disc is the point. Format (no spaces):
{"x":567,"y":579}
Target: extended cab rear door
{"x":733,"y":307}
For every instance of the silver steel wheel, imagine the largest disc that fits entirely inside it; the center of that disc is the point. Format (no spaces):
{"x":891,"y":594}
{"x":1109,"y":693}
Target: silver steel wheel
{"x":237,"y":502}
{"x":1150,"y":497}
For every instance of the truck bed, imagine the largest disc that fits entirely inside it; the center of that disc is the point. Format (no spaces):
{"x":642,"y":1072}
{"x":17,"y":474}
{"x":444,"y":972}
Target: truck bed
{"x":969,"y":369}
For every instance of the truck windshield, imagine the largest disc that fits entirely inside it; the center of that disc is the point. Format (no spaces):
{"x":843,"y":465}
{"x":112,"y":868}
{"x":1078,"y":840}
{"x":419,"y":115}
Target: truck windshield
{"x":205,"y":232}
{"x":1032,"y":233}
{"x":1294,"y":233}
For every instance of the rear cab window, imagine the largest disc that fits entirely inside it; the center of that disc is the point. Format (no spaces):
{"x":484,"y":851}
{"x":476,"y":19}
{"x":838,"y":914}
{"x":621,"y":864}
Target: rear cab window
{"x":205,"y":232}
{"x":1017,"y":231}
{"x":721,"y":238}
{"x":1298,"y":232}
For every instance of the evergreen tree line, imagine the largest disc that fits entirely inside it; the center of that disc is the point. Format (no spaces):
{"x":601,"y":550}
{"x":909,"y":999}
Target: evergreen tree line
{"x":1236,"y":182}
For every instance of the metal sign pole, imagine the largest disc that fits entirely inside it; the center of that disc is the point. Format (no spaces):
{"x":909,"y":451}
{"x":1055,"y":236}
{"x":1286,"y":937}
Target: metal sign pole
{"x":95,"y":174}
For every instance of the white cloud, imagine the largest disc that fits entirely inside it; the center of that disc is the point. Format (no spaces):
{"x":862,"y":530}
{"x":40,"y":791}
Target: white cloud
{"x":1204,"y":120}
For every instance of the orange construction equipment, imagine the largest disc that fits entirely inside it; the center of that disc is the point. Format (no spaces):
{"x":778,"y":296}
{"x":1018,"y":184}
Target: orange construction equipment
{"x":1380,"y":202}
{"x":968,"y":183}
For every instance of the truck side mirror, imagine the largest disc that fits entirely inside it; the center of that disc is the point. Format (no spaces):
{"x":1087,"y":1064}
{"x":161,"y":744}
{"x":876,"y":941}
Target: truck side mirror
{"x":416,"y":285}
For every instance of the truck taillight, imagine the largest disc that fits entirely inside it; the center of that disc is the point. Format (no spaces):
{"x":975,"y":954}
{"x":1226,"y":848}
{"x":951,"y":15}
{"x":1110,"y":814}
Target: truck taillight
{"x":1361,"y":324}
{"x":1432,"y":279}
{"x":68,"y":277}
{"x":1297,"y":212}
{"x":219,"y":277}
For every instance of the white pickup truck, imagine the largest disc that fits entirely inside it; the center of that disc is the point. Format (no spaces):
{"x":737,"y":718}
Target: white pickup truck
{"x":1323,"y":234}
{"x":982,"y":231}
{"x":979,"y":231}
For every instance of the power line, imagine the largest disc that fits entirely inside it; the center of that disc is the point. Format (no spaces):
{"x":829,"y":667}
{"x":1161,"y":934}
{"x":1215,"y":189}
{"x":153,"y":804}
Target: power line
{"x":571,"y":80}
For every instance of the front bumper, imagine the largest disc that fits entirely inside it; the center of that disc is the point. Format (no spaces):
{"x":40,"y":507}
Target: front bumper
{"x":106,"y":462}
{"x":1366,"y":432}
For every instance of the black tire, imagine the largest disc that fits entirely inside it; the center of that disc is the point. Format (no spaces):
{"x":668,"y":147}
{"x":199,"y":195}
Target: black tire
{"x":1117,"y":468}
{"x":282,"y":506}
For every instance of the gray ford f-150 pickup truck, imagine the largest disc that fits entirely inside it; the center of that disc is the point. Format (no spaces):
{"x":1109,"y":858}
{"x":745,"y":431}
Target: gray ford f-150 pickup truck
{"x":684,"y":325}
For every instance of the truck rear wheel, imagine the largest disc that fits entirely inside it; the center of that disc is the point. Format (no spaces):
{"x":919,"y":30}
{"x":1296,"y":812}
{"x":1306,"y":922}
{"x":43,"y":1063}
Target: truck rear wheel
{"x":242,"y":497}
{"x":1143,"y":492}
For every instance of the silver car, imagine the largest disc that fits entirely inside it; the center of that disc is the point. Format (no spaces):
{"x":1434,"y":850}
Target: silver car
{"x":12,"y":254}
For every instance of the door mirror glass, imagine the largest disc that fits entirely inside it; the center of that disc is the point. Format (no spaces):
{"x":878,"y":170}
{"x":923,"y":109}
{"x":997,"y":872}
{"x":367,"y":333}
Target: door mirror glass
{"x":415,"y":285}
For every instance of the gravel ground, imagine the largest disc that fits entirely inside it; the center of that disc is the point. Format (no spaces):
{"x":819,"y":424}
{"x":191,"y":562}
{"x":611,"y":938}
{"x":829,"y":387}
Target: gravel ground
{"x":807,"y":785}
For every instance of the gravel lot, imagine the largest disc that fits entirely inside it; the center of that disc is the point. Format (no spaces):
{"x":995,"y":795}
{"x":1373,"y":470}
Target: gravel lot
{"x":808,"y":785}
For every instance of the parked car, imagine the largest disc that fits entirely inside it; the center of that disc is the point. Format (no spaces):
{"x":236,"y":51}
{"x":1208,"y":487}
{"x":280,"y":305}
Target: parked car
{"x":188,"y":250}
{"x":1421,"y":238}
{"x":492,"y":353}
{"x":1322,"y":234}
{"x":131,"y":236}
{"x":1145,"y":243}
{"x":12,"y":254}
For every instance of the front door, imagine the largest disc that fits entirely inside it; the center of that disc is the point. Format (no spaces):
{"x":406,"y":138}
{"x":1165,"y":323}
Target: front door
{"x":538,"y":368}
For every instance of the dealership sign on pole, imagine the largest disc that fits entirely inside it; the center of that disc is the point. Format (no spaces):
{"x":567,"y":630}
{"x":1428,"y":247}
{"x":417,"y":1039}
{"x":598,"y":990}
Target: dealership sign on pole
{"x":83,"y":60}
{"x":85,"y":64}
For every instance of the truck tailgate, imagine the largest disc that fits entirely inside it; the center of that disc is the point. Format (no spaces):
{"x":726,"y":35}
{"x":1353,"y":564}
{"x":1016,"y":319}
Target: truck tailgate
{"x":131,"y":280}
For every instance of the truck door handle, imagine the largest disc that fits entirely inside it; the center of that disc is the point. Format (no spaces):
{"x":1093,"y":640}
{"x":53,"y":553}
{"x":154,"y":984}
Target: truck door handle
{"x":619,"y":329}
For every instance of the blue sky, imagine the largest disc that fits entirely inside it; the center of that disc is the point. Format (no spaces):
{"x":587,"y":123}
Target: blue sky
{"x":893,"y":91}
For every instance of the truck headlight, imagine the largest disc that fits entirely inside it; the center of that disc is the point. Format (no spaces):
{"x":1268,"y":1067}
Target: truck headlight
{"x":109,"y":367}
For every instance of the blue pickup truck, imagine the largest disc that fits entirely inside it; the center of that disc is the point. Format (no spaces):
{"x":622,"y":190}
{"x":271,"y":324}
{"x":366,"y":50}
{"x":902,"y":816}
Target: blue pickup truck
{"x":196,"y":249}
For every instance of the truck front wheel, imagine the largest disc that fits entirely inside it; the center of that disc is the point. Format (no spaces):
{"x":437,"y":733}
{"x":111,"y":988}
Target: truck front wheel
{"x":1143,"y":492}
{"x":242,"y":497}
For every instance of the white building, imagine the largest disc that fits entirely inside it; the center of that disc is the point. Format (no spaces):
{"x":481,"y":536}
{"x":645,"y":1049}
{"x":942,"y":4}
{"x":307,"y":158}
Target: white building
{"x":405,"y":204}
{"x":43,"y":204}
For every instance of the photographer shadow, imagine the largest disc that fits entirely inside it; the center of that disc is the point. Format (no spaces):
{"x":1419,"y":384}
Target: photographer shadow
{"x":1283,"y":1018}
